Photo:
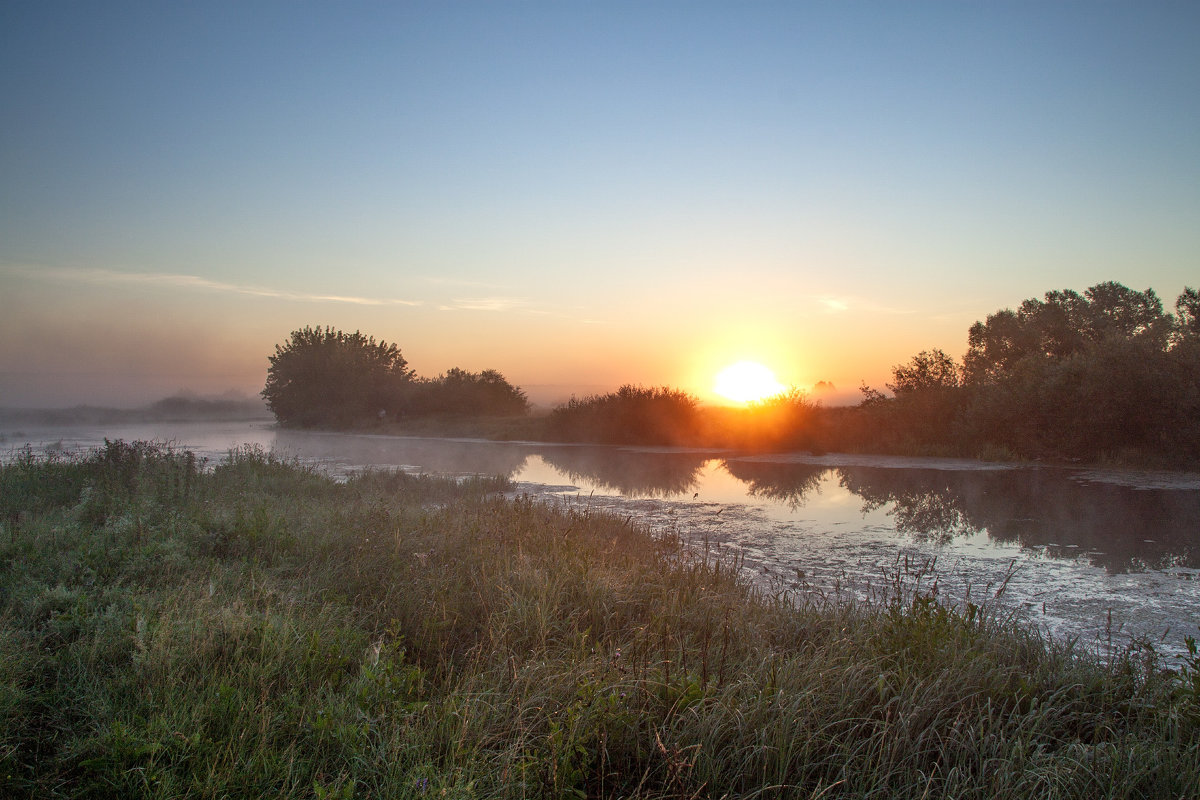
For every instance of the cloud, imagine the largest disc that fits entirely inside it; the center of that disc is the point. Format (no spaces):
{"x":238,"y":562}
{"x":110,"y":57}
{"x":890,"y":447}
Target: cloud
{"x":520,"y":305}
{"x":192,"y":283}
{"x":840,"y":305}
{"x":438,"y":281}
{"x":484,"y":304}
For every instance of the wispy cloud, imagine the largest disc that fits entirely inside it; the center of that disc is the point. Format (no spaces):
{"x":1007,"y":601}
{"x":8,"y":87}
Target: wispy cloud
{"x":516,"y":305}
{"x":841,"y":304}
{"x":192,"y":283}
{"x":485,"y":304}
{"x":438,"y":281}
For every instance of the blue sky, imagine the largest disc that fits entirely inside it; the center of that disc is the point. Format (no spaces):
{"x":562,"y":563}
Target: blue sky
{"x":577,"y":194}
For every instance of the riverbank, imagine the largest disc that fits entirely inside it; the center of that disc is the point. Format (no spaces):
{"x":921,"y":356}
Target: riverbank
{"x":1144,"y":469}
{"x":260,"y":630}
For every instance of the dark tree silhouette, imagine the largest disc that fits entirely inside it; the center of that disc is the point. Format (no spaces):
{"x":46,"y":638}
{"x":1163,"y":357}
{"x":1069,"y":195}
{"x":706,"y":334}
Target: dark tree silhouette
{"x":322,"y":376}
{"x":1087,"y":375}
{"x":630,"y":415}
{"x":1061,"y":325}
{"x":459,"y":392}
{"x":1187,"y":314}
{"x":1098,"y":374}
{"x":928,"y":371}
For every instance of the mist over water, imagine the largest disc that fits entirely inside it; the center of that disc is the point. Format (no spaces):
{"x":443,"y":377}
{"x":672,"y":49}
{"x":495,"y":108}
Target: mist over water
{"x":1069,"y":547}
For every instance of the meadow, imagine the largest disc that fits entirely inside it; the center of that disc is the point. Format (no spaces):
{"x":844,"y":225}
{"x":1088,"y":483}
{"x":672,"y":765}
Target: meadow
{"x":171,"y":628}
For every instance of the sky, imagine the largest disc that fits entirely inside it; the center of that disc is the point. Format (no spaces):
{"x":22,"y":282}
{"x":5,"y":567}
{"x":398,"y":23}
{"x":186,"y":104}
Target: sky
{"x":578,"y":194}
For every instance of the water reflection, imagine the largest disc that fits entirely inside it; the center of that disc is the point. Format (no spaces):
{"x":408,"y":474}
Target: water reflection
{"x":932,"y":508}
{"x":633,"y":473}
{"x":445,"y":456}
{"x":1117,"y":527}
{"x":790,"y":484}
{"x":1049,"y":510}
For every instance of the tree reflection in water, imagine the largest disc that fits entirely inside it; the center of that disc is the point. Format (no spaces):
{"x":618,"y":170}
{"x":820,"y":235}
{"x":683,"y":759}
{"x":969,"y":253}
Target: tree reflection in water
{"x":1053,"y":510}
{"x":926,"y":506}
{"x":790,"y":484}
{"x":633,"y":473}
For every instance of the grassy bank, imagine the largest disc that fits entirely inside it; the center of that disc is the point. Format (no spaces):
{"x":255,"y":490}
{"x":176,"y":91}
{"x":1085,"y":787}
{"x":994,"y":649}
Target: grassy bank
{"x":258,"y":630}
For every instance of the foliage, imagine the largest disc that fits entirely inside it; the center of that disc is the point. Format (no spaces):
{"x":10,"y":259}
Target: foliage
{"x":929,"y":371}
{"x":258,"y":630}
{"x":325,"y":377}
{"x":790,"y":420}
{"x":1064,"y":324}
{"x":1105,"y":374}
{"x":1102,"y":374}
{"x":328,"y":377}
{"x":1087,"y":376}
{"x":1187,"y":314}
{"x":630,"y":415}
{"x":481,"y":394}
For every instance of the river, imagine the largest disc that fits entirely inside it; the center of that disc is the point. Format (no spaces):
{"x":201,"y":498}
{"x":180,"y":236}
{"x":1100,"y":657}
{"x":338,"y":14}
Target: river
{"x":1099,"y":556}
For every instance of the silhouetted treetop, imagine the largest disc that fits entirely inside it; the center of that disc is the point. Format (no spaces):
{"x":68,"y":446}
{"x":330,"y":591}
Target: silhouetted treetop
{"x":929,"y":370}
{"x":632,"y":414}
{"x":1187,"y":314}
{"x":1098,"y":374}
{"x":325,"y":377}
{"x":1064,"y":323}
{"x":460,"y":392}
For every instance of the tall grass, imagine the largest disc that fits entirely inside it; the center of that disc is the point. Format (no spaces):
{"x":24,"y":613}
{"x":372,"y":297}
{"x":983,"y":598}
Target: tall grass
{"x":255,"y":629}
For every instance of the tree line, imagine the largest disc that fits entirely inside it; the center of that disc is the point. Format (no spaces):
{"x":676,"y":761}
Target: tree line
{"x":326,"y":377}
{"x":1106,"y":373}
{"x":1103,"y":373}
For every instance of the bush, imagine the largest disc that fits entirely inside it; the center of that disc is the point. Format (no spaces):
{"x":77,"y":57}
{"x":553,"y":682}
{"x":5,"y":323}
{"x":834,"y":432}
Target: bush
{"x":630,"y":415}
{"x":458,"y":392}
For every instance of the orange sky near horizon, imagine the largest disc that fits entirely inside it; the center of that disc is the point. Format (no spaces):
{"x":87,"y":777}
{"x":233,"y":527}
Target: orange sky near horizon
{"x":211,"y":340}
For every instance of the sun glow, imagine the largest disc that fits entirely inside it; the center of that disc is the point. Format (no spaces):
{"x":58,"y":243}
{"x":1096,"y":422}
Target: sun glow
{"x":747,"y":381}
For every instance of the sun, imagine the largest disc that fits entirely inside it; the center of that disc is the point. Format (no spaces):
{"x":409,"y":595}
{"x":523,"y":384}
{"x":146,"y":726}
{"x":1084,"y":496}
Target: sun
{"x":747,"y":381}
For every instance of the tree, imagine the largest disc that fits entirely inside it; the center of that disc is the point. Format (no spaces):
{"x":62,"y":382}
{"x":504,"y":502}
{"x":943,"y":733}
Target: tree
{"x":1104,"y":372}
{"x":630,"y":415}
{"x":928,"y":400}
{"x":1061,"y":325}
{"x":486,"y":393}
{"x":1187,"y":314}
{"x":322,"y":376}
{"x":928,"y":371}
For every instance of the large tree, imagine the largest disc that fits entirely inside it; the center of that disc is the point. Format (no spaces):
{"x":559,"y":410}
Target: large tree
{"x":1087,"y":375}
{"x":1063,"y":324}
{"x":1092,"y":374}
{"x":322,"y":376}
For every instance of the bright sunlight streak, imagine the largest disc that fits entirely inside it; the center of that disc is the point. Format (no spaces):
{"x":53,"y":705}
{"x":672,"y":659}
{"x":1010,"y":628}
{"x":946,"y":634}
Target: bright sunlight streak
{"x":747,"y":381}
